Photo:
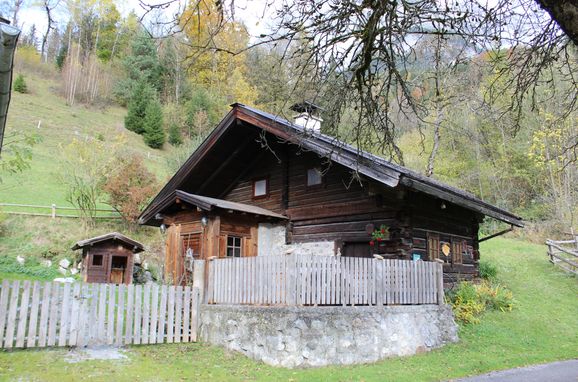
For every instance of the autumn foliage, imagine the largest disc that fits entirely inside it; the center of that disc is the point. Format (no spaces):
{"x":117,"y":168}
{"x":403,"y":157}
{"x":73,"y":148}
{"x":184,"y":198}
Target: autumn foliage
{"x":130,"y":188}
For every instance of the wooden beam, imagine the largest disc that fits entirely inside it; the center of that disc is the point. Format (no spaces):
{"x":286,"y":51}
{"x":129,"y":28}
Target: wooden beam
{"x":249,"y":167}
{"x":224,"y":164}
{"x":496,"y":234}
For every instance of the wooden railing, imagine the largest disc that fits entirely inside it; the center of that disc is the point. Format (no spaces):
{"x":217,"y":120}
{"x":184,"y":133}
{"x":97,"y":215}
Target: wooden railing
{"x":564,"y":253}
{"x":40,"y":314}
{"x":54,"y":211}
{"x":323,"y":280}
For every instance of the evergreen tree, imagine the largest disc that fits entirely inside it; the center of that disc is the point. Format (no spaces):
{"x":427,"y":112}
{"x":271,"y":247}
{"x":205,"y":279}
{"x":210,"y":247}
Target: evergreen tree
{"x":175,"y":137}
{"x":154,"y":134}
{"x":20,"y":84}
{"x":142,"y":64}
{"x":141,"y":97}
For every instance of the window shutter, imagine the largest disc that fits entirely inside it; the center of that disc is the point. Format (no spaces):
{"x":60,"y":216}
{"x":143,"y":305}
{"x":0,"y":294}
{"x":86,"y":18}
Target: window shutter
{"x":433,"y":246}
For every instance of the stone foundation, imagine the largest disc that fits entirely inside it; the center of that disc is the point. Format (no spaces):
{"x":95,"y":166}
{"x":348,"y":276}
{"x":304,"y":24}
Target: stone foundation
{"x":319,"y":336}
{"x":271,"y":241}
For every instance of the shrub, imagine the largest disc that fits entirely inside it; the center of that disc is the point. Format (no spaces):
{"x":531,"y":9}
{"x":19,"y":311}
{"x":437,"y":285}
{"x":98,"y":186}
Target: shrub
{"x":488,"y":271}
{"x":20,"y":84}
{"x":175,"y":138}
{"x":469,"y":301}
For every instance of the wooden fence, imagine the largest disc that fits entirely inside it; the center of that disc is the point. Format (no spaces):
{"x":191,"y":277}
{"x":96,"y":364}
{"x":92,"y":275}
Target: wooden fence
{"x":39,"y":314}
{"x":564,"y":253}
{"x":323,"y":280}
{"x":53,"y":211}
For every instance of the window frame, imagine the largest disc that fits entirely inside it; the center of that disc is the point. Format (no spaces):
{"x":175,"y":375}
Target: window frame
{"x":234,"y":247}
{"x":267,"y":188}
{"x":318,"y":185}
{"x":93,"y":256}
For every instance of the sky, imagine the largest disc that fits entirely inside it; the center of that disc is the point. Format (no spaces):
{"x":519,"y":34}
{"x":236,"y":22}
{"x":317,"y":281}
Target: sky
{"x":253,"y":13}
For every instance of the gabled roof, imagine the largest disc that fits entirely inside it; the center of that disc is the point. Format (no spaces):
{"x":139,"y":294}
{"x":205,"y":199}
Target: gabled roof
{"x":369,"y":165}
{"x":137,"y":247}
{"x":206,"y":203}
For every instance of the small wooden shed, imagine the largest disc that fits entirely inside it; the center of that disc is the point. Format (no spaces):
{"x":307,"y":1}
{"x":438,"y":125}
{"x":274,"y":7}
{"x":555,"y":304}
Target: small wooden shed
{"x":108,"y":258}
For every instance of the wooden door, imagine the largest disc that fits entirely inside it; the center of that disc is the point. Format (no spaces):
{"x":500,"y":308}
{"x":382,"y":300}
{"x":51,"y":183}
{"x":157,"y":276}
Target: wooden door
{"x":356,"y":249}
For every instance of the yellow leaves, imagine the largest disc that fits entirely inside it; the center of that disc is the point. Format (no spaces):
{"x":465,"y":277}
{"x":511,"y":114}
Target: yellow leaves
{"x":217,"y":60}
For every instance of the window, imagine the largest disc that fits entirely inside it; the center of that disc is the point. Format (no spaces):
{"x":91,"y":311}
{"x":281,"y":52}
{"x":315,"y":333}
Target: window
{"x":260,"y":188}
{"x":233,"y":246}
{"x":314,"y":177}
{"x":97,"y":260}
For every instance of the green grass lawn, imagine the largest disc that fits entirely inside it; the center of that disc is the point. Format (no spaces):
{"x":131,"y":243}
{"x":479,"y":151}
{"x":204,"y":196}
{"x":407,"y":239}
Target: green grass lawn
{"x":542,"y":328}
{"x":60,"y":124}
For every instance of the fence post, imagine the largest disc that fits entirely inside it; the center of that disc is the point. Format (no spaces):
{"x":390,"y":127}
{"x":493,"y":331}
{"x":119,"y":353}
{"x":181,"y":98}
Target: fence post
{"x":199,"y":277}
{"x":53,"y":210}
{"x":440,"y":281}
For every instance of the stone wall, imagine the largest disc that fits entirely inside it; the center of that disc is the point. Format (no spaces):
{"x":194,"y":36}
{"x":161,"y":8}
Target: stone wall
{"x":271,"y":241}
{"x":319,"y":336}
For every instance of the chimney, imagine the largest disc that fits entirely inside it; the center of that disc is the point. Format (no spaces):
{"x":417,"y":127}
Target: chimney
{"x":307,"y":116}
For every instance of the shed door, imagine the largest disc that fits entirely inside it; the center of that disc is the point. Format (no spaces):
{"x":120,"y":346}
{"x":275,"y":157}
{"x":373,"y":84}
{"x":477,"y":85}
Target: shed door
{"x":356,"y":249}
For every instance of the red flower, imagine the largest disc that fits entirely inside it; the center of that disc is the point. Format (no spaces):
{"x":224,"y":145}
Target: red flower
{"x":371,"y":243}
{"x":379,"y":239}
{"x":383,"y":230}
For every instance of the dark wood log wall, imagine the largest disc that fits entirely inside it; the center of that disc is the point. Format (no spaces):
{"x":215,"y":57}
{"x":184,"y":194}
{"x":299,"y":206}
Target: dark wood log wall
{"x":101,"y":273}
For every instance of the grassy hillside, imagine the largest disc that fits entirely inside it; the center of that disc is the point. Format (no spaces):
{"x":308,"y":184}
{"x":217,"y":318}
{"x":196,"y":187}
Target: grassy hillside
{"x":59,"y":125}
{"x":542,"y":328}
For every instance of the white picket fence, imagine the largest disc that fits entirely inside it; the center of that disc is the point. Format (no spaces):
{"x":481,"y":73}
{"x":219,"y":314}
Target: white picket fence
{"x":39,"y":314}
{"x":323,"y":280}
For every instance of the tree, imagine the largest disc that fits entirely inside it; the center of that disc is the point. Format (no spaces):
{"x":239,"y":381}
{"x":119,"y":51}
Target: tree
{"x":139,"y":100}
{"x":20,"y":84}
{"x":175,"y":137}
{"x":86,"y":166}
{"x":154,"y":134}
{"x":130,"y":187}
{"x":367,"y":46}
{"x":141,"y":65}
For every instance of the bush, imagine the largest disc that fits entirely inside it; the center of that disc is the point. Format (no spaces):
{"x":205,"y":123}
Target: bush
{"x":175,"y":138}
{"x":469,"y":301}
{"x":20,"y":84}
{"x":488,"y":271}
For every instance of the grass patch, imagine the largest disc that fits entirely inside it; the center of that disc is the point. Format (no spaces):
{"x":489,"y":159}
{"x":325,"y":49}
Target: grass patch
{"x":59,"y":125}
{"x":541,"y":328}
{"x":39,"y":238}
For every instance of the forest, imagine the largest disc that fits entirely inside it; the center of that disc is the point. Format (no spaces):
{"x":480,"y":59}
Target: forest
{"x":440,"y":104}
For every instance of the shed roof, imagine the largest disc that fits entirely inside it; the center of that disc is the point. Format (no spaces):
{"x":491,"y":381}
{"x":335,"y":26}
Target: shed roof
{"x":372,"y":166}
{"x":206,"y":203}
{"x":137,"y":247}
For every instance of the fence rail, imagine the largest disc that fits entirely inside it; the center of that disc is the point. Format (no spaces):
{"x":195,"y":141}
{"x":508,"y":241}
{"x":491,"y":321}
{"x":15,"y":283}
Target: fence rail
{"x":40,"y":314}
{"x":323,"y":280}
{"x":564,"y":253}
{"x":52,"y":211}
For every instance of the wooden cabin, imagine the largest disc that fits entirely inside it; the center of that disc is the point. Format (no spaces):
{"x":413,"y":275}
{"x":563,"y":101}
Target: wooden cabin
{"x":261,"y":185}
{"x":108,"y":258}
